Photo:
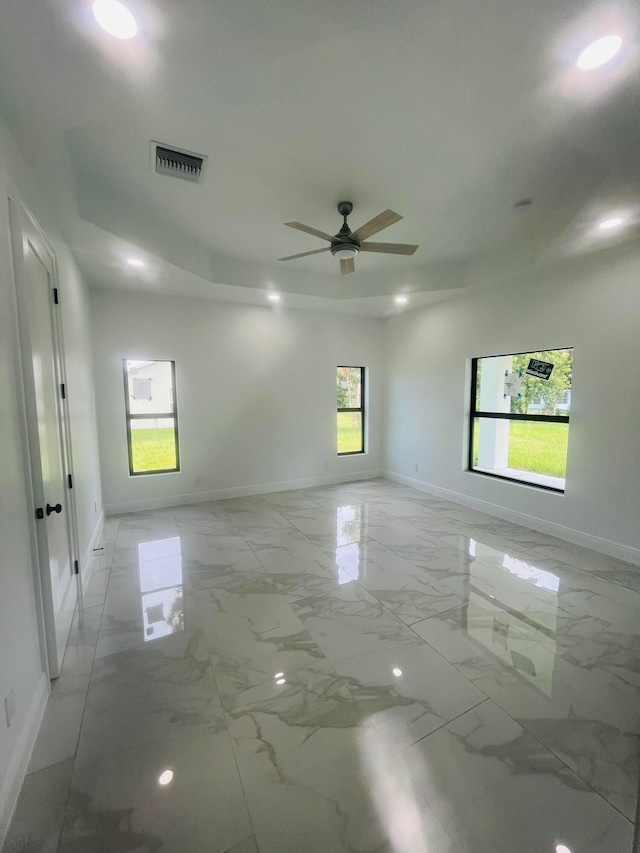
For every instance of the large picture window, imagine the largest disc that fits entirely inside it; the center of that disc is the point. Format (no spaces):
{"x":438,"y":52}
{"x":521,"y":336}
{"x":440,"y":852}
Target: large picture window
{"x":519,"y":418}
{"x":152,"y":416}
{"x":350,"y":393}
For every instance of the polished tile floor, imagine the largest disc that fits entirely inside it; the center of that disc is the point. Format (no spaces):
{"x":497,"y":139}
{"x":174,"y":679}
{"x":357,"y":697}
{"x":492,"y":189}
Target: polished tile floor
{"x":360,"y":667}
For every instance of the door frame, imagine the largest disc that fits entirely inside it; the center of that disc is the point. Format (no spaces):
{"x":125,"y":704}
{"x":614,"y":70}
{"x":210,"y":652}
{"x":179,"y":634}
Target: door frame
{"x":21,"y":221}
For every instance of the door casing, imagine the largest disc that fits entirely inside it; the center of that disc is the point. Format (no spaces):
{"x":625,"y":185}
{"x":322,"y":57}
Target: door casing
{"x":23,"y":223}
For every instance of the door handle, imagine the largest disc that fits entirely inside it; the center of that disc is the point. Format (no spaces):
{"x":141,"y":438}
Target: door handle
{"x":56,"y":508}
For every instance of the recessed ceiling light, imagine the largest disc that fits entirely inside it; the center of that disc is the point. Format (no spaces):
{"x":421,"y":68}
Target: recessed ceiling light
{"x":165,"y":777}
{"x":599,"y":52}
{"x":281,"y":681}
{"x":397,"y":672}
{"x":611,"y":223}
{"x":401,"y":300}
{"x":135,"y":262}
{"x":562,"y":848}
{"x":115,"y":18}
{"x":274,"y":297}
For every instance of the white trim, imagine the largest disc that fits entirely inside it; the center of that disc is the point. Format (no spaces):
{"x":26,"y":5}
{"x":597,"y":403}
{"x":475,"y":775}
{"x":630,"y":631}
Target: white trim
{"x":568,"y":534}
{"x":27,"y":464}
{"x":528,"y":477}
{"x":19,"y":761}
{"x":237,"y":492}
{"x":86,"y":568}
{"x":24,"y":227}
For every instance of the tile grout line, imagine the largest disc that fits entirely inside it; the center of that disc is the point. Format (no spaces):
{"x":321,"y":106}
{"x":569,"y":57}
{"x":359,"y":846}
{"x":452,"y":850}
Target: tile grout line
{"x":434,"y":615}
{"x":521,"y":725}
{"x":75,"y":753}
{"x":232,"y":748}
{"x":447,"y":723}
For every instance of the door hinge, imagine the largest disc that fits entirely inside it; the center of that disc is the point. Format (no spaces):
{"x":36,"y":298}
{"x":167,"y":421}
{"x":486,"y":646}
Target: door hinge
{"x":76,"y":568}
{"x":63,"y":393}
{"x":56,"y":297}
{"x":70,"y":481}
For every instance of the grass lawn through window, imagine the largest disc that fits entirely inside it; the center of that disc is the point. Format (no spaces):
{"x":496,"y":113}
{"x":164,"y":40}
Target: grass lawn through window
{"x":349,"y":432}
{"x":153,"y":449}
{"x":537,"y":447}
{"x":534,"y":446}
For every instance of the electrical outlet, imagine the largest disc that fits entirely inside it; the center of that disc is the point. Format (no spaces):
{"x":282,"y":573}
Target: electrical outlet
{"x":415,"y":467}
{"x":10,"y":707}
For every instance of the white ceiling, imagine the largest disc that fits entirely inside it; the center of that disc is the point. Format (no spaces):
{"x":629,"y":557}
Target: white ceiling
{"x":446,"y":111}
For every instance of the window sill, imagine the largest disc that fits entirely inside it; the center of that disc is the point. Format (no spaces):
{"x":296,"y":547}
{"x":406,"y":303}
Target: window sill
{"x":135,"y":474}
{"x":525,"y":478}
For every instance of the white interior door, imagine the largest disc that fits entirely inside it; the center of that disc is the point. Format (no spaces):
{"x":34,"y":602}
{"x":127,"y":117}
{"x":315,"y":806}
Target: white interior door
{"x":45,"y":414}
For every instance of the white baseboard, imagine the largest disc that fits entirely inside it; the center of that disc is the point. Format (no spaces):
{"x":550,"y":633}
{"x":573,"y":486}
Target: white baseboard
{"x":568,"y":534}
{"x":21,"y":755}
{"x":237,"y":492}
{"x":89,"y":556}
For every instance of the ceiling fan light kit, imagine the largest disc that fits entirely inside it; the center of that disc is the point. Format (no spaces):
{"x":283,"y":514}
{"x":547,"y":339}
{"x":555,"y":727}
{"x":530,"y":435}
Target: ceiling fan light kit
{"x":344,"y":250}
{"x":346,"y":244}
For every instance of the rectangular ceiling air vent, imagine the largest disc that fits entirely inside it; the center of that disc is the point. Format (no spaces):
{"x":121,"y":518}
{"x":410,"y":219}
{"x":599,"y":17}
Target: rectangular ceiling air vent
{"x":178,"y":163}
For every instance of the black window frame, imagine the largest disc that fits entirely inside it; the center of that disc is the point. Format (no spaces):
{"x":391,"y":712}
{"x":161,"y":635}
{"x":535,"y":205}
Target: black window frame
{"x":506,"y":416}
{"x":173,"y":415}
{"x":355,"y":409}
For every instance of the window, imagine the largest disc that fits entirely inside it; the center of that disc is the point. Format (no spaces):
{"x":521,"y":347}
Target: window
{"x":519,"y":419}
{"x":152,"y":416}
{"x":350,"y":393}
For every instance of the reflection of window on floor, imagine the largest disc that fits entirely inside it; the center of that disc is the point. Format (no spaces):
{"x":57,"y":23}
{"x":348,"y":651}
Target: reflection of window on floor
{"x":348,"y":534}
{"x":161,"y":587}
{"x":519,"y":425}
{"x":497,"y":584}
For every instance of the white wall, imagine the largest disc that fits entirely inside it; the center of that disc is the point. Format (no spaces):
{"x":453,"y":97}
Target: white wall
{"x":74,"y":303}
{"x":255,"y":392}
{"x":592,"y":304}
{"x":20,"y":660}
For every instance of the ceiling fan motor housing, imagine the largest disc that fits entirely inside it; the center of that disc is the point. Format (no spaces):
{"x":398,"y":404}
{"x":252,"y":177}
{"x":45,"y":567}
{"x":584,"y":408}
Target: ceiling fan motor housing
{"x":344,"y":246}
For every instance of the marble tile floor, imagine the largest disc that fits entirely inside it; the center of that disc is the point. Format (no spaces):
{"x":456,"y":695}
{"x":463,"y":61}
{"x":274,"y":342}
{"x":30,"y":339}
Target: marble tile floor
{"x":359,"y":667}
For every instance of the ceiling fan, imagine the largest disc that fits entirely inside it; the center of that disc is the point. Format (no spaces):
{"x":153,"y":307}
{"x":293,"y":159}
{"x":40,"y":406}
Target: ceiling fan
{"x":346,"y":244}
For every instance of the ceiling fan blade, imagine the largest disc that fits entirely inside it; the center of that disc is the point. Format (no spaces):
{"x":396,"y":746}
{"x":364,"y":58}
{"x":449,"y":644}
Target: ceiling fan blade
{"x":307,"y":230}
{"x":378,"y":223}
{"x":389,"y":248}
{"x":304,"y":254}
{"x":347,"y":266}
